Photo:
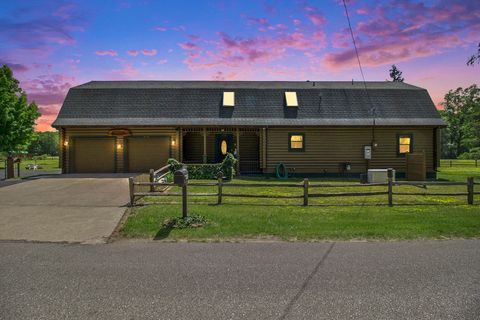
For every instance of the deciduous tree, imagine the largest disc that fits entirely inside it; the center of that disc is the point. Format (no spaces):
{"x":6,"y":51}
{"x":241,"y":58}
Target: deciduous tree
{"x":17,"y":117}
{"x":462,"y":114}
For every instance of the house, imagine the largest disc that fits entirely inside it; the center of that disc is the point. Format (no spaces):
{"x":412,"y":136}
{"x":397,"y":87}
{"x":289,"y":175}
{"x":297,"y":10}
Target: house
{"x":311,"y":127}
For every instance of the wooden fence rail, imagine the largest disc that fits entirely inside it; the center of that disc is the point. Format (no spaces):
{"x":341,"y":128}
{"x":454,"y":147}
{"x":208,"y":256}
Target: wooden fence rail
{"x":459,"y":163}
{"x":307,"y":189}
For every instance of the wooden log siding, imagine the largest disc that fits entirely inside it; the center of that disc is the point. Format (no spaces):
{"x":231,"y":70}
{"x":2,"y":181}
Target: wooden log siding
{"x":326,"y":148}
{"x":72,"y":132}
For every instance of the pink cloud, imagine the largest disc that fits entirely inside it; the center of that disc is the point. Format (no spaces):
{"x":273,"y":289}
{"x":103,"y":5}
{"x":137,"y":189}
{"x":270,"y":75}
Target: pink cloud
{"x":44,"y":123}
{"x":127,"y":72}
{"x":48,"y":89}
{"x":147,"y":52}
{"x":179,"y":28}
{"x":235,"y":52}
{"x":362,"y":11}
{"x":161,"y":29}
{"x":48,"y":92}
{"x":297,"y":22}
{"x":188,"y":46}
{"x":341,"y":39}
{"x":16,"y":67}
{"x":221,"y":76}
{"x":111,"y":53}
{"x":162,"y":61}
{"x":133,"y":53}
{"x":399,"y":31}
{"x":315,"y":16}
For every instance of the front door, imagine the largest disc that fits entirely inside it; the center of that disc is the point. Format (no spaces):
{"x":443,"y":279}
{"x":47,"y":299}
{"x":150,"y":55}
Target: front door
{"x":223,"y":145}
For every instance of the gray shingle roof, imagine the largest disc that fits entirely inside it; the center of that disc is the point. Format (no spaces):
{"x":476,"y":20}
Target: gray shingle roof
{"x":257,"y":103}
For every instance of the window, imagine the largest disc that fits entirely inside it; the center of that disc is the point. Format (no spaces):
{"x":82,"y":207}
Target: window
{"x":228,"y":99}
{"x":296,"y":142}
{"x":223,"y":147}
{"x":291,"y":99}
{"x":405,"y":144}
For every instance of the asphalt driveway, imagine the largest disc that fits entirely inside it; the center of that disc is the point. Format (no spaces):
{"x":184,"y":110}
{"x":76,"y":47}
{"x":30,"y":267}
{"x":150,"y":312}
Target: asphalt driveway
{"x":66,"y":208}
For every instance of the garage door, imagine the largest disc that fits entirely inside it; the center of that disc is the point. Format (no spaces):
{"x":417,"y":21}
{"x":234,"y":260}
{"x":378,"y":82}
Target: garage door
{"x":93,"y":155}
{"x":147,"y":153}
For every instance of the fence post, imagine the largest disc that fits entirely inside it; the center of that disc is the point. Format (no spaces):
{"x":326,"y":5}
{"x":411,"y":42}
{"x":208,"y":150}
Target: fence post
{"x":390,"y":186}
{"x":305,"y":192}
{"x":220,"y":182}
{"x":470,"y":190}
{"x":132,"y":193}
{"x":152,"y":180}
{"x":184,"y":201}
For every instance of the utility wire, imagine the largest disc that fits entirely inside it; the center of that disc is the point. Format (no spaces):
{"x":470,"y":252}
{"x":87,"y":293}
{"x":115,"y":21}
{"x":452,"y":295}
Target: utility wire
{"x":360,"y":67}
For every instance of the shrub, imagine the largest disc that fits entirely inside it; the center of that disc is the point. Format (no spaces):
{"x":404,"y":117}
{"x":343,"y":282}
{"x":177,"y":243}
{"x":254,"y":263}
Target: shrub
{"x":192,"y":221}
{"x":203,"y":171}
{"x":228,"y":166}
{"x":174,"y":165}
{"x":209,"y":170}
{"x":473,"y":154}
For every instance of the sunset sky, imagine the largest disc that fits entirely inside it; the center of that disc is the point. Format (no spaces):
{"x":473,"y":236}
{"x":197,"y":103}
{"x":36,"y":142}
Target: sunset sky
{"x":54,"y":45}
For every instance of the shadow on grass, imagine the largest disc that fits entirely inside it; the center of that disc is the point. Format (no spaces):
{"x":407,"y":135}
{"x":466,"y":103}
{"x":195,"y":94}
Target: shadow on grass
{"x":163,"y":233}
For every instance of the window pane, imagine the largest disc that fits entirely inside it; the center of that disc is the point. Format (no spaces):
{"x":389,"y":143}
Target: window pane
{"x":291,"y":98}
{"x":404,"y":140}
{"x":223,"y":147}
{"x":296,"y":145}
{"x":404,"y":148}
{"x":296,"y":138}
{"x":228,"y":99}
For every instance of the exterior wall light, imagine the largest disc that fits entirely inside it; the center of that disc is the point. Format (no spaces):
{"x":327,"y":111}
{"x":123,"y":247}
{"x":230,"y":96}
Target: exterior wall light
{"x":119,"y":146}
{"x":173,"y":142}
{"x":65,"y":143}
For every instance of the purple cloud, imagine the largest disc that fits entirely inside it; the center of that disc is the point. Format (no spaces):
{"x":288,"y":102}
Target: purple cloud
{"x":398,"y":31}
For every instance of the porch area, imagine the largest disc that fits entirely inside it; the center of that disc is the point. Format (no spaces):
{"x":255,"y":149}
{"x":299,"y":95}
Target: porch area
{"x":211,"y":144}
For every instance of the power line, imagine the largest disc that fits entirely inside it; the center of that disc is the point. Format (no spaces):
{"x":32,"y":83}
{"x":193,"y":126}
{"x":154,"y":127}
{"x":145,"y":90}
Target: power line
{"x":360,"y":67}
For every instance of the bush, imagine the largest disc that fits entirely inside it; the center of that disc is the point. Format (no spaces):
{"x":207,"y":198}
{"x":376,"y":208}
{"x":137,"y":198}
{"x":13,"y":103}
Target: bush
{"x":228,"y":166}
{"x":473,"y":154}
{"x":207,"y":171}
{"x":204,"y":171}
{"x":192,"y":221}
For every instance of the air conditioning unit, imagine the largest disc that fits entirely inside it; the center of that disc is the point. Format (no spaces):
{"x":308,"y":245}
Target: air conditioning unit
{"x":379,"y":175}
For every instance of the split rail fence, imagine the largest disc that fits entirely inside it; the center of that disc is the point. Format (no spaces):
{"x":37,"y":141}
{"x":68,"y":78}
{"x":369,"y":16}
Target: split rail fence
{"x":310,"y":190}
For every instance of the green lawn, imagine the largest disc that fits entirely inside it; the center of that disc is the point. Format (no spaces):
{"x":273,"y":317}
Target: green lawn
{"x":327,"y":218}
{"x":45,"y":165}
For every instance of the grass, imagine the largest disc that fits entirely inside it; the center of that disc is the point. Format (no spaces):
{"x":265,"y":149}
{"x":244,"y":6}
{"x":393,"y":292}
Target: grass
{"x":356,"y":218}
{"x":309,"y":223}
{"x":48,"y":164}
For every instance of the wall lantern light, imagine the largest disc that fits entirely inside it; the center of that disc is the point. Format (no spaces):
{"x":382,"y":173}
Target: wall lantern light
{"x":173,"y":142}
{"x":119,"y":146}
{"x":65,"y":143}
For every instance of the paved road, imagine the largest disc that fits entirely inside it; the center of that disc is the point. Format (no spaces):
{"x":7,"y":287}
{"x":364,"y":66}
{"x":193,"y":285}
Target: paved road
{"x":151,"y":280}
{"x":65,"y":208}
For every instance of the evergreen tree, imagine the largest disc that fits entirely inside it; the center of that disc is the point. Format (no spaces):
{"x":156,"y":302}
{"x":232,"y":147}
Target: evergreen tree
{"x":396,"y":74}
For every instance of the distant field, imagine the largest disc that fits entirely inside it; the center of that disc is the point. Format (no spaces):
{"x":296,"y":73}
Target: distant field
{"x":459,"y":163}
{"x":49,"y":164}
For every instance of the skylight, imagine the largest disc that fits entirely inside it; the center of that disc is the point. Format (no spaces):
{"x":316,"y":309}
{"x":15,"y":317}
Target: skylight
{"x":291,"y":99}
{"x":228,"y":99}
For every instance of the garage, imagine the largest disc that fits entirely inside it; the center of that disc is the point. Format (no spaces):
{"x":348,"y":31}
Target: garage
{"x":145,"y":153}
{"x":93,"y":155}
